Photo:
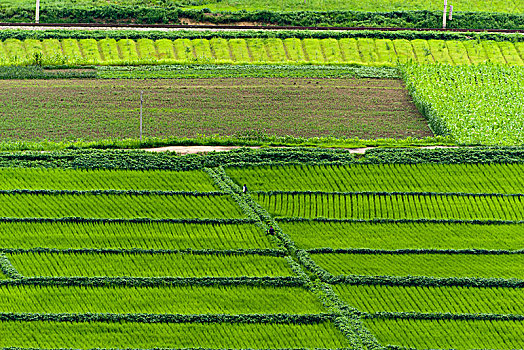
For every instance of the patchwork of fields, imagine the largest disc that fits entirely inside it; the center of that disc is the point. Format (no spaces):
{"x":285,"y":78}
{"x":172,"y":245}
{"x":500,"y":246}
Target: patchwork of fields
{"x":181,"y":259}
{"x":364,"y":51}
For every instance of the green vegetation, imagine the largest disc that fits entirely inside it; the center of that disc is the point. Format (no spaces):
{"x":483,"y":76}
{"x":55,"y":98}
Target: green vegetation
{"x":230,"y":71}
{"x":44,"y":334}
{"x":476,"y":104}
{"x":467,"y":178}
{"x":359,"y":50}
{"x":455,"y":300}
{"x":368,"y":206}
{"x":93,"y":205}
{"x":393,"y":236}
{"x":243,"y":108}
{"x":87,"y":180}
{"x":148,"y":265}
{"x":162,"y":300}
{"x":434,"y":265}
{"x":443,"y":334}
{"x":129,"y":235}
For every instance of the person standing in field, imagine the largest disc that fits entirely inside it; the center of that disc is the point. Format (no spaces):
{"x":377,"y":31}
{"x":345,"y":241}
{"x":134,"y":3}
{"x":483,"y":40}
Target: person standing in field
{"x":244,"y":188}
{"x":271,"y":230}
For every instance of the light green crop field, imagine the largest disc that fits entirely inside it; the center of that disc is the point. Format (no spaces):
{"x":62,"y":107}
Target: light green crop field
{"x":159,"y":300}
{"x":149,"y":265}
{"x":432,"y":265}
{"x":455,"y":300}
{"x":45,"y":334}
{"x":391,"y":236}
{"x":86,"y":180}
{"x":117,"y":206}
{"x":511,"y":6}
{"x":129,"y":235}
{"x":444,"y":334}
{"x":467,"y":178}
{"x":370,"y":206}
{"x":363,"y":51}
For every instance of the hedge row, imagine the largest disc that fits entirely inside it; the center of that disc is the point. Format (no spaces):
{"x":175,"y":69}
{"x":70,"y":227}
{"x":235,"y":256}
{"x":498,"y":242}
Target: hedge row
{"x":443,"y":316}
{"x":369,"y":194}
{"x":154,"y":281}
{"x":229,"y":252}
{"x":422,"y":281}
{"x":115,"y":192}
{"x":142,"y":160}
{"x":164,"y":15}
{"x":403,"y":221}
{"x":414,"y":251}
{"x":245,"y":34}
{"x":74,"y":219}
{"x":169,"y":318}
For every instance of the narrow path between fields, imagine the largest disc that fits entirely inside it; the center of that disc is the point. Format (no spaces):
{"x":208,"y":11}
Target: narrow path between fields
{"x":207,"y":149}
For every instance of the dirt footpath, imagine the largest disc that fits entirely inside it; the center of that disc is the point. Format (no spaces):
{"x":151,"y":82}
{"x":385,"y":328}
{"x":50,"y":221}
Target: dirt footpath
{"x":207,"y":149}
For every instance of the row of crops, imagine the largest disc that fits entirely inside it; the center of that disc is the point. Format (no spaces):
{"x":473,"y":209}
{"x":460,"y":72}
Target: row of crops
{"x":365,"y":51}
{"x":205,"y":273}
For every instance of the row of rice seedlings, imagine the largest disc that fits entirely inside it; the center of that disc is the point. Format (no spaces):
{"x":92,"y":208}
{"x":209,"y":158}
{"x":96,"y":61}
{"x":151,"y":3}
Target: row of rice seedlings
{"x":148,"y":265}
{"x":447,"y":334}
{"x":362,"y":50}
{"x":371,"y":206}
{"x":118,"y":206}
{"x":102,"y":179}
{"x":431,"y":265}
{"x":124,"y":335}
{"x":465,"y":178}
{"x":128,"y":235}
{"x":455,"y":300}
{"x":393,"y":236}
{"x":189,"y":300}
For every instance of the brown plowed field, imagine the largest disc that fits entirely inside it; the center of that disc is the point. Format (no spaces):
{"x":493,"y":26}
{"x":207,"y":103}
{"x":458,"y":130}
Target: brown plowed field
{"x":98,"y":109}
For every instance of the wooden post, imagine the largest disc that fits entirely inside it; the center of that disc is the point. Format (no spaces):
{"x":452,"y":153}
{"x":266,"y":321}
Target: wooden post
{"x":37,"y":12}
{"x":450,"y":12}
{"x":141,"y":103}
{"x":445,"y":13}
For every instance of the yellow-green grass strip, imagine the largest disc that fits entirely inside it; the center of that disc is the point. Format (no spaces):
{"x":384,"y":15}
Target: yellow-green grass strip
{"x":455,"y":300}
{"x":44,"y":334}
{"x":446,"y":334}
{"x":129,"y":235}
{"x":148,"y":265}
{"x":431,"y":265}
{"x":159,"y":300}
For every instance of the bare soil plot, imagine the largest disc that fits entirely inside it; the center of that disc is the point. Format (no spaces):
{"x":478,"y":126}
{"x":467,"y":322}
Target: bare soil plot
{"x":99,"y":109}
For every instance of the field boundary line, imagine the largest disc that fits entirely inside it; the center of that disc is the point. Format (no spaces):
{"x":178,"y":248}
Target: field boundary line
{"x":75,"y":219}
{"x":169,"y":318}
{"x":414,"y":251}
{"x":385,"y":194}
{"x":443,"y":316}
{"x":284,"y":281}
{"x":115,"y":192}
{"x":136,"y":251}
{"x":401,"y":221}
{"x":424,"y":281}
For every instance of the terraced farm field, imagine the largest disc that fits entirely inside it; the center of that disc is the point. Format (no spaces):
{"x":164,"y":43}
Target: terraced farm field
{"x":102,"y":109}
{"x":106,"y":277}
{"x":363,"y":51}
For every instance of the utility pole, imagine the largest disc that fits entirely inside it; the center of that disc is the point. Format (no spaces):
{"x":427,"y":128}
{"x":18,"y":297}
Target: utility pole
{"x":141,"y":103}
{"x":445,"y":13}
{"x":37,"y":13}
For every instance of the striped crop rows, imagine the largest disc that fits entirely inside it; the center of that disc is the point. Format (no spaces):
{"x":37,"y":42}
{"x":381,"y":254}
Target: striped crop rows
{"x":361,"y":51}
{"x":392,"y":206}
{"x":430,"y":254}
{"x":467,"y":178}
